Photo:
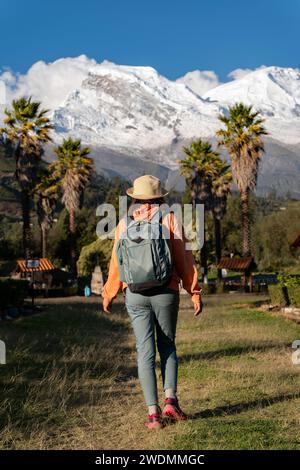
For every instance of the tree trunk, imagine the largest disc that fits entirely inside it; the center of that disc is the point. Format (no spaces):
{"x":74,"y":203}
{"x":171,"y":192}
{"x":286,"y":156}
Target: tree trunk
{"x":200,"y":195}
{"x":217,"y":223}
{"x":204,"y":263}
{"x":72,"y":242}
{"x":246,"y":231}
{"x":203,"y":258}
{"x":44,"y":241}
{"x":26,"y":234}
{"x":246,"y":223}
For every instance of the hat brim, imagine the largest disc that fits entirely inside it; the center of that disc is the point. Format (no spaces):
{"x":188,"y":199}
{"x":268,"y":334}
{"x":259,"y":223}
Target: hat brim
{"x":130,"y":193}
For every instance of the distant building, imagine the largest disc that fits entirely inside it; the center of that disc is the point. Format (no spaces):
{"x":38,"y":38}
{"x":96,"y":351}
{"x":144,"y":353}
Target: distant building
{"x":45,"y":276}
{"x":243,"y":265}
{"x":42,"y":274}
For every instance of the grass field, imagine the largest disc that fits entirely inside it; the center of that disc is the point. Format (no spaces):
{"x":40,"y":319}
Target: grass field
{"x":70,"y":380}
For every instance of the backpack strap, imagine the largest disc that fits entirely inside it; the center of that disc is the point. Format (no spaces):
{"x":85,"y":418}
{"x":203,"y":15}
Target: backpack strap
{"x":129,"y":219}
{"x":160,"y":214}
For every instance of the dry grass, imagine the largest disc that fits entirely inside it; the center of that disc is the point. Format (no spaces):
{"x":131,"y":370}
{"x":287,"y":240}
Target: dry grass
{"x":70,"y":381}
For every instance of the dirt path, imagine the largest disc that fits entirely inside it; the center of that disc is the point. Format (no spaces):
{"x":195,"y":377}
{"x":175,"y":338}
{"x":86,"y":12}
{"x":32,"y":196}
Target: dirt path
{"x":71,"y":380}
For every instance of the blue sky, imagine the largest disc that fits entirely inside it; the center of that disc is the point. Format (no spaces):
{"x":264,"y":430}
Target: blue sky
{"x":174,"y":36}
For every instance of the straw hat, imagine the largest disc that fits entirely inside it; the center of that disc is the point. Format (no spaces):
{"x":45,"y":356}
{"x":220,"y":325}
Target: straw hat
{"x":146,"y":187}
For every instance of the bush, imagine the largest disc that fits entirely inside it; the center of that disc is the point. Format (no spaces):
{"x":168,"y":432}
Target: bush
{"x":278,"y":295}
{"x":70,"y":291}
{"x":294,"y":295}
{"x":13,"y":292}
{"x":66,"y":291}
{"x":288,"y":280}
{"x":96,"y":253}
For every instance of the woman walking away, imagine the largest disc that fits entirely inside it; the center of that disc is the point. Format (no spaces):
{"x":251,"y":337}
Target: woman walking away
{"x":149,"y":266}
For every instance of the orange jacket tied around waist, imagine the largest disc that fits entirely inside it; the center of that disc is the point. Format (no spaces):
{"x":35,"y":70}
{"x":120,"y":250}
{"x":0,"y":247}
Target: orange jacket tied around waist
{"x":184,"y":268}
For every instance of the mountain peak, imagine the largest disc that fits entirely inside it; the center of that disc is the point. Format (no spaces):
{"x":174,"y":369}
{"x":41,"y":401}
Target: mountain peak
{"x":273,"y":91}
{"x":137,"y":120}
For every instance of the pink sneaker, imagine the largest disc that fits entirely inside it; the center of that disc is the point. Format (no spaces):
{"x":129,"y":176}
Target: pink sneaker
{"x":154,"y":421}
{"x":173,"y":411}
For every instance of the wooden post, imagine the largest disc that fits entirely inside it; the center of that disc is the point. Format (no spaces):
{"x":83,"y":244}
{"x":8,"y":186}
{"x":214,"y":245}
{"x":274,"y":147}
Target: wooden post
{"x":32,"y":292}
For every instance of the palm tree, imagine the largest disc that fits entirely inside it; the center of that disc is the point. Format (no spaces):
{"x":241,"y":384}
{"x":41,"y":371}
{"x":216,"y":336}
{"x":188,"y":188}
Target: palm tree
{"x":200,"y":168}
{"x":220,"y":189}
{"x":73,"y":170}
{"x":242,"y":137}
{"x":47,"y":193}
{"x":26,"y":130}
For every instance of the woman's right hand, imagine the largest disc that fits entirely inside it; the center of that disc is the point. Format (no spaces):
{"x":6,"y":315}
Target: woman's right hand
{"x":106,"y":305}
{"x":198,"y":308}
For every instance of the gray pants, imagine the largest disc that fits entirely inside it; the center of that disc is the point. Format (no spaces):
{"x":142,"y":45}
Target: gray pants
{"x":155,"y":312}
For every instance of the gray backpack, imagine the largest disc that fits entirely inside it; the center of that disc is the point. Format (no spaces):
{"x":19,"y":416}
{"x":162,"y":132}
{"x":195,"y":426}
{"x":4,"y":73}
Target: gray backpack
{"x":144,"y":254}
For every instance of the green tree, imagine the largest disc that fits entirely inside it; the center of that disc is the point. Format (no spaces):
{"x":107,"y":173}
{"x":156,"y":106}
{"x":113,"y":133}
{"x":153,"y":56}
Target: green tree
{"x":274,"y":234}
{"x":207,"y":176}
{"x":46,"y":190}
{"x":221,"y":185}
{"x":73,"y":170}
{"x":27,"y":129}
{"x":242,"y":137}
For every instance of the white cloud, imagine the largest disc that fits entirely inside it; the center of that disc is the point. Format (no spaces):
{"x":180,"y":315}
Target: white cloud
{"x":49,"y":83}
{"x":240,"y":73}
{"x":200,"y":81}
{"x":2,"y":93}
{"x":52,"y":82}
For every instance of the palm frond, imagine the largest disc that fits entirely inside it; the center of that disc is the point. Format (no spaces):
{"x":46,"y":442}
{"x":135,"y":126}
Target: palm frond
{"x":242,"y":137}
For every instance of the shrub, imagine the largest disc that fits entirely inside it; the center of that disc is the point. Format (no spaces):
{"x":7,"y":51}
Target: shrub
{"x":98,"y":252}
{"x":288,"y":280}
{"x":278,"y":295}
{"x":56,"y":292}
{"x":294,"y":295}
{"x":13,"y":292}
{"x":70,"y":290}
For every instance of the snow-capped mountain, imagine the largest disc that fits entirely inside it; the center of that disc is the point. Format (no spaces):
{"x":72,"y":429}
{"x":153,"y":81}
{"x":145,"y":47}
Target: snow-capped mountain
{"x":274,"y":91}
{"x":137,"y":120}
{"x":134,"y":110}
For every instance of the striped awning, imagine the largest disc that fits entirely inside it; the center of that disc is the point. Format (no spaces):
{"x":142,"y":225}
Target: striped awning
{"x":236,"y":264}
{"x":44,"y":265}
